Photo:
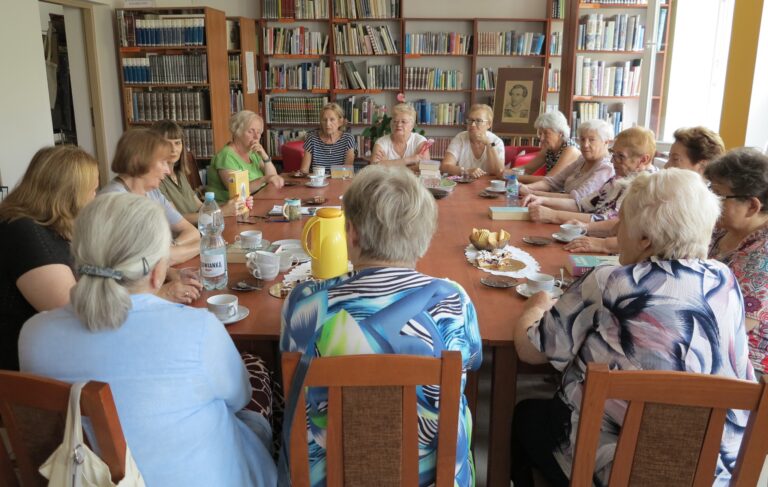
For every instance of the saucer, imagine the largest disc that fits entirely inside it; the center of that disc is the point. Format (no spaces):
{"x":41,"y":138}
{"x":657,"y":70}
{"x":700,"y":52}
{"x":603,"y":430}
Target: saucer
{"x":540,"y":241}
{"x":490,"y":189}
{"x":499,"y":282}
{"x":465,"y":180}
{"x":317,"y":185}
{"x":486,"y":194}
{"x":264,"y":245}
{"x":564,"y":239}
{"x":522,"y":290}
{"x":293,"y":246}
{"x":242,"y":312}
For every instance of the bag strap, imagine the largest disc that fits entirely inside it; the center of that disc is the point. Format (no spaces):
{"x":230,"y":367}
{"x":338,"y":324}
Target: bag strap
{"x":397,"y":313}
{"x":73,"y":433}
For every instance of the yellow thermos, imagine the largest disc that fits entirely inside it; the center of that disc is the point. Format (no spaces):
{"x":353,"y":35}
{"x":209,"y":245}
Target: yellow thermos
{"x":327,"y":244}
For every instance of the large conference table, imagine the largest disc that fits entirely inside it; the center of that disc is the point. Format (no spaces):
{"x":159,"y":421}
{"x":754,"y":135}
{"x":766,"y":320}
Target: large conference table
{"x":497,"y":309}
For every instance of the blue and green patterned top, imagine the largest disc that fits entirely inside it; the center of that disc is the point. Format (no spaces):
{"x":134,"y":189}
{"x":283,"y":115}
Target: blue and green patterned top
{"x":339,"y":305}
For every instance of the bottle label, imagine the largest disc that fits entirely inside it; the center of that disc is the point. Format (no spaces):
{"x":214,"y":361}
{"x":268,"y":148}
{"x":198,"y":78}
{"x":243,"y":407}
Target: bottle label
{"x":213,"y":265}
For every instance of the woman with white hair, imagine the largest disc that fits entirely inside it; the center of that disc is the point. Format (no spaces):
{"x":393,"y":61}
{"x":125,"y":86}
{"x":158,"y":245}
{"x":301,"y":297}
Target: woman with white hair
{"x":476,"y":151}
{"x":590,"y":171}
{"x":557,"y":152}
{"x":243,"y":153}
{"x":178,"y":382}
{"x":664,"y":307}
{"x":390,"y":222}
{"x":403,"y":146}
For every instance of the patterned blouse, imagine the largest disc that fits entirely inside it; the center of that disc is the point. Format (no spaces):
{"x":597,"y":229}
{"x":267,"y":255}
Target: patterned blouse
{"x":684,"y":315}
{"x":604,"y":204}
{"x":749,"y":262}
{"x":552,"y":156}
{"x":339,"y":305}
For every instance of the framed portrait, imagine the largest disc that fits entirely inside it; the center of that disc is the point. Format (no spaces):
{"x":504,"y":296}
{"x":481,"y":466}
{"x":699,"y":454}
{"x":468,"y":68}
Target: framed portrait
{"x":518,"y":100}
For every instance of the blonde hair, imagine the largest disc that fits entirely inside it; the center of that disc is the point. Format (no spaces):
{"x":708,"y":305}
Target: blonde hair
{"x":675,"y":210}
{"x":404,"y":109}
{"x":394,"y":215}
{"x":57,"y":184}
{"x":482,"y":107}
{"x":335,"y":108}
{"x":638,"y":140}
{"x":123,"y":232}
{"x":136,"y":151}
{"x":701,"y":144}
{"x":239,"y":122}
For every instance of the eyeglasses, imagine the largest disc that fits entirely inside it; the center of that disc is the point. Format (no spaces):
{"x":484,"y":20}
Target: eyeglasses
{"x":618,"y":156}
{"x":401,"y":122}
{"x":475,"y":121}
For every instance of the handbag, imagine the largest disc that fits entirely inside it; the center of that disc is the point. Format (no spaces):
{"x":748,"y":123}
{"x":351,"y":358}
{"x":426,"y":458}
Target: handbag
{"x":73,"y":464}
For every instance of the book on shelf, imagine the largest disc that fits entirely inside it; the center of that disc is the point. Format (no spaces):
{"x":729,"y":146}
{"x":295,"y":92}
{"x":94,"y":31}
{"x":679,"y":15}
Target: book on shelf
{"x":615,"y":2}
{"x":151,"y":106}
{"x":299,"y":109}
{"x":584,"y":111}
{"x":293,"y":41}
{"x":599,"y":78}
{"x":580,"y":264}
{"x":511,"y":43}
{"x":302,"y":76}
{"x":434,"y":113}
{"x":485,"y":79}
{"x":356,"y":39}
{"x":662,"y":29}
{"x":427,"y":78}
{"x":233,"y":35}
{"x":276,"y":138}
{"x":140,"y":29}
{"x":508,"y":213}
{"x":621,"y":32}
{"x":558,"y":9}
{"x":166,"y":69}
{"x":366,"y":9}
{"x":438,"y":43}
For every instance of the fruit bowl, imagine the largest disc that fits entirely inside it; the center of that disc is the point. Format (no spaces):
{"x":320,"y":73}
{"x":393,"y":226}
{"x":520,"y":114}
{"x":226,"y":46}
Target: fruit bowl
{"x":484,"y":239}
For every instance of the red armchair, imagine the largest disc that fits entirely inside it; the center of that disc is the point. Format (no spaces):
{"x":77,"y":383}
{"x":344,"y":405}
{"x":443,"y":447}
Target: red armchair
{"x":293,"y":153}
{"x":511,"y":158}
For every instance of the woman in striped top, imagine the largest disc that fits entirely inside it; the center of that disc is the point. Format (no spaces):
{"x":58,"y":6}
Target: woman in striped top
{"x":329,"y":145}
{"x":391,"y":220}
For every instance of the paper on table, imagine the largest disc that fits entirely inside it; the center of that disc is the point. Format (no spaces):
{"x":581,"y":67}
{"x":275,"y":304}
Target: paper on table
{"x":250,"y":73}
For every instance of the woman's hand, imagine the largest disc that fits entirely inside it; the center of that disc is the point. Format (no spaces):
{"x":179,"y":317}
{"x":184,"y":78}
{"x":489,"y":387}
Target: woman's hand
{"x":541,"y":300}
{"x":541,"y":214}
{"x":259,"y":149}
{"x":275,"y":180}
{"x":236,"y":206}
{"x":476,"y":172}
{"x":524,"y":190}
{"x":532,"y":200}
{"x":178,"y":292}
{"x":586,"y":244}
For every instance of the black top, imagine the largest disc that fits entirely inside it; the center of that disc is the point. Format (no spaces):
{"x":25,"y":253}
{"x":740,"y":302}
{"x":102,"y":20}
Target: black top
{"x":24,"y":245}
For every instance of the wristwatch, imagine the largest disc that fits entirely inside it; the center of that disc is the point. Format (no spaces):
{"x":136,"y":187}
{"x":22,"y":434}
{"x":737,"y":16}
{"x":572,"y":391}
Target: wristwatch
{"x":268,"y":159}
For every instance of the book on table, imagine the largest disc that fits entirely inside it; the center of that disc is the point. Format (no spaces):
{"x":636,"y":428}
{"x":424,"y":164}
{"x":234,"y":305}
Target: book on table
{"x":579,"y":264}
{"x":508,"y":213}
{"x":238,"y":186}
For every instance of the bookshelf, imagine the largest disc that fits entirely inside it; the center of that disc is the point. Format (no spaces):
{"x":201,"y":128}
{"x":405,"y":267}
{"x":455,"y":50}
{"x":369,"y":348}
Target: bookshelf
{"x":243,"y":61}
{"x":171,"y":62}
{"x":615,"y":62}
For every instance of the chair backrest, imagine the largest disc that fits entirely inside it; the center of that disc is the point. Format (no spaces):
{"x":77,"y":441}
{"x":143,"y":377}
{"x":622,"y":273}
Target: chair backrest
{"x":670,"y":412}
{"x":367,"y":396}
{"x":192,"y":171}
{"x":33,"y":411}
{"x":292,"y":153}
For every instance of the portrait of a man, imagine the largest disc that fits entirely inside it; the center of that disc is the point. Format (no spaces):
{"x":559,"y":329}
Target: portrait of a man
{"x":517,"y":102}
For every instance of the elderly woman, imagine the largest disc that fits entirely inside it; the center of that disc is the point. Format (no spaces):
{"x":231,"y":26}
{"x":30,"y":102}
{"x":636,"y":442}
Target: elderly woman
{"x":585,"y":176}
{"x":243,"y":153}
{"x":665,"y":307}
{"x":330,"y":145}
{"x":632,"y":154}
{"x":740,"y":179}
{"x":177,"y":378}
{"x":390,"y":221}
{"x":175,"y":187}
{"x":36,"y":221}
{"x":476,"y":151}
{"x":558,"y":151}
{"x":403,"y":147}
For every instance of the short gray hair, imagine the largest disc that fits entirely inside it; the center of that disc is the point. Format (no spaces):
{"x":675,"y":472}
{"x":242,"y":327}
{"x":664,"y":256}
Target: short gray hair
{"x":120,"y":231}
{"x":675,"y":210}
{"x":404,"y":109}
{"x":239,"y":122}
{"x":554,"y":121}
{"x":394,"y":215}
{"x":603,"y":129}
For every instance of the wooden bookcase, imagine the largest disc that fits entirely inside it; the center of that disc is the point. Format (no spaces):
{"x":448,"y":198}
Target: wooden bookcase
{"x":640,"y":106}
{"x":171,"y":60}
{"x":242,"y":44}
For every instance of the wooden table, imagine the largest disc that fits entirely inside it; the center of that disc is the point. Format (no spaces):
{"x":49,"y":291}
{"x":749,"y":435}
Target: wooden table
{"x":497,"y":309}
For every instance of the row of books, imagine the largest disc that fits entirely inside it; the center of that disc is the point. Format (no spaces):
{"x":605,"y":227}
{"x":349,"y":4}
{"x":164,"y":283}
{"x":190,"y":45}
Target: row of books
{"x":620,"y":32}
{"x":584,"y":111}
{"x":302,"y":76}
{"x":424,"y":78}
{"x":234,"y":69}
{"x":236,"y":102}
{"x":438,"y":43}
{"x":184,"y":106}
{"x":274,"y":140}
{"x":485,"y":79}
{"x":295,"y":9}
{"x":558,"y":9}
{"x":598,"y":78}
{"x":199,"y":141}
{"x":439,"y":113}
{"x":364,"y":39}
{"x":553,"y":80}
{"x":379,"y":77}
{"x":299,"y":40}
{"x":521,"y":140}
{"x":360,"y":109}
{"x":166,"y":69}
{"x":298,"y":109}
{"x":510,"y":43}
{"x":366,"y":9}
{"x":556,"y":44}
{"x":140,"y":29}
{"x":615,"y":2}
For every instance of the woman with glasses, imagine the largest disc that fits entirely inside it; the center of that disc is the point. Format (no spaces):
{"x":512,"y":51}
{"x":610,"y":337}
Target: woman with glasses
{"x":632,"y":154}
{"x":330,"y":145}
{"x":740,"y":241}
{"x":557,"y":152}
{"x":403,"y":146}
{"x":476,"y":151}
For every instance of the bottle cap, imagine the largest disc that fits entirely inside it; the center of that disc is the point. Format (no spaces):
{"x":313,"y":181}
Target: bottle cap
{"x":210,"y":196}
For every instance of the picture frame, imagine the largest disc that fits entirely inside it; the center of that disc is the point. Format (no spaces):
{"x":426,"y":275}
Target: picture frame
{"x":517,"y":101}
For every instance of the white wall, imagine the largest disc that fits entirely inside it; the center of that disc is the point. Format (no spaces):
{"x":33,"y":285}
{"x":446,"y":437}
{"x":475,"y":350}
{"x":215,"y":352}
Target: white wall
{"x":757,"y":125}
{"x":25,"y":116}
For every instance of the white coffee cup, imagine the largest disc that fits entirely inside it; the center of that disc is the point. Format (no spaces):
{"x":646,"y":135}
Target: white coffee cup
{"x":540,"y":282}
{"x":318,"y":170}
{"x":498,"y":184}
{"x":249,"y":239}
{"x":572,"y":230}
{"x":224,"y":306}
{"x":262,"y":264}
{"x":317,"y":180}
{"x":287,"y":260}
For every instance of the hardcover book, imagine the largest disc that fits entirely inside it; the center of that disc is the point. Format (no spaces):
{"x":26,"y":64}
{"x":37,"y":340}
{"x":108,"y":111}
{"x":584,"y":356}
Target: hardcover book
{"x":508,"y":213}
{"x":579,"y":265}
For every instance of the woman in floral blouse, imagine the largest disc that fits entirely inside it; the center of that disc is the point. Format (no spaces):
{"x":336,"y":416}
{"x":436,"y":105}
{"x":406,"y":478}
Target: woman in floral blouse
{"x":740,"y":178}
{"x":665,"y":307}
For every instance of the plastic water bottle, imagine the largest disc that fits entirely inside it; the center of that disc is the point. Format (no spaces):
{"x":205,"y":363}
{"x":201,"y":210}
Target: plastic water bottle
{"x":213,"y":248}
{"x":513,"y":191}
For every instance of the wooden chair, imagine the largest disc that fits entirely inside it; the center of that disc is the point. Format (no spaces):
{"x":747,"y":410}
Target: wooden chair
{"x":367,"y":396}
{"x":33,"y":411}
{"x":672,"y":429}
